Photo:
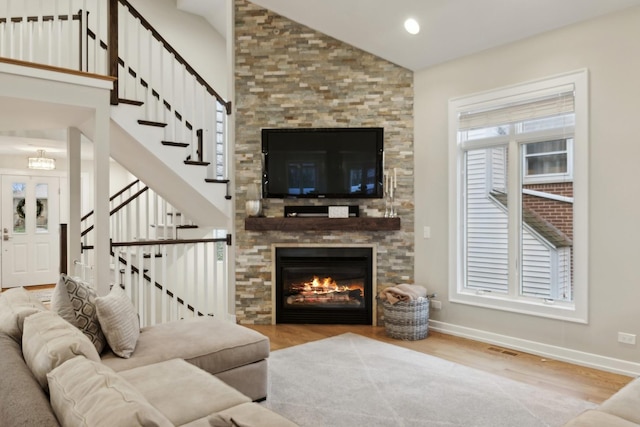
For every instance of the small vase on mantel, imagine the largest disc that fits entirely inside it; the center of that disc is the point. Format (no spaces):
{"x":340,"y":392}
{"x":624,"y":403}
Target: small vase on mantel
{"x":253,"y":205}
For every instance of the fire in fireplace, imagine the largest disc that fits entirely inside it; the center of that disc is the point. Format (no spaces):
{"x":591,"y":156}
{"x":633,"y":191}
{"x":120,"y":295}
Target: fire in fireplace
{"x":325,"y":291}
{"x":324,"y":285}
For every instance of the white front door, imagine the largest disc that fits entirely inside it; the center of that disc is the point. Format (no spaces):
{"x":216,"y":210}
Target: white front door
{"x":30,"y":230}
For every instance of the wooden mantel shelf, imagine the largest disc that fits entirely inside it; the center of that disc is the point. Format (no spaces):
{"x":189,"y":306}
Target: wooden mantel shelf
{"x":321,"y":224}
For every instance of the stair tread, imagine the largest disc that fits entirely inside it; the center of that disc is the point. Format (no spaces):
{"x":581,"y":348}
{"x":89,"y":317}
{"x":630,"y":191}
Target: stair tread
{"x":196,"y":163}
{"x":175,"y":144}
{"x":130,"y":101}
{"x":151,"y":123}
{"x":173,"y":226}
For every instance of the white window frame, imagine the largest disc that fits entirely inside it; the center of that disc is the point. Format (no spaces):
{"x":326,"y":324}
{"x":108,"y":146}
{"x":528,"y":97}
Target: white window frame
{"x":575,"y":311}
{"x":548,"y":178}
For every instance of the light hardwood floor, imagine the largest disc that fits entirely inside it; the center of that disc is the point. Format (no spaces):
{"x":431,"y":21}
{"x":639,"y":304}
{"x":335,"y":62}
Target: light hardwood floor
{"x":573,"y":380}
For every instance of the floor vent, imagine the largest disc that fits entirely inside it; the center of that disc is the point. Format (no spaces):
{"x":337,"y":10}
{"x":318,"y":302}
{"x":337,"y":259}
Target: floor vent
{"x":503,"y":351}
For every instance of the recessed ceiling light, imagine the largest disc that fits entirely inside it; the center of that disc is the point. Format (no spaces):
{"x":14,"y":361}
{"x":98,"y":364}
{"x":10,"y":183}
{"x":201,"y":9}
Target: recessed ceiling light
{"x":412,"y":26}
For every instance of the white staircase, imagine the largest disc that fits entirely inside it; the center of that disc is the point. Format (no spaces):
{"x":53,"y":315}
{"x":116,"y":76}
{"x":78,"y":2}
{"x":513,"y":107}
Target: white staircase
{"x":140,"y":150}
{"x":167,"y":127}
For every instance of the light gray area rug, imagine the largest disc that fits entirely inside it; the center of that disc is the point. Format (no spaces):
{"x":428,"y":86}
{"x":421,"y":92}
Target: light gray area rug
{"x":351,"y":380}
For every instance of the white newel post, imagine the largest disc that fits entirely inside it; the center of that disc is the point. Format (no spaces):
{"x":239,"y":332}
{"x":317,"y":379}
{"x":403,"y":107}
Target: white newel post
{"x":75,"y":197}
{"x":102,"y":252}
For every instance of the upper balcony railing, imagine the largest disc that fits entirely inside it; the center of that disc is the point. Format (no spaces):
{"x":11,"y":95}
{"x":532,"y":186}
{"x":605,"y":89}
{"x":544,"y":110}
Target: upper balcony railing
{"x":110,"y":37}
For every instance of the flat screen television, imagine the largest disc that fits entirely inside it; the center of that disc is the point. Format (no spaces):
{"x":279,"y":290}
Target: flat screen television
{"x":322,"y":162}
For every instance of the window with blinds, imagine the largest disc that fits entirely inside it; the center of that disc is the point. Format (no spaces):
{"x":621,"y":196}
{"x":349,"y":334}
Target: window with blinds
{"x":514,"y":155}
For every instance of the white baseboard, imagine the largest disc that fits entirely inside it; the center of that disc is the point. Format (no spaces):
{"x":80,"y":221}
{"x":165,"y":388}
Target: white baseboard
{"x":576,"y":357}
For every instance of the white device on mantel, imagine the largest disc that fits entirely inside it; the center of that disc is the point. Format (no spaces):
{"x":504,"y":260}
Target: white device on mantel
{"x":338,"y":211}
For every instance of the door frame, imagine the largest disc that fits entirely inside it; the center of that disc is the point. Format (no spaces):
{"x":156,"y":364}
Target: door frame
{"x":63,"y":208}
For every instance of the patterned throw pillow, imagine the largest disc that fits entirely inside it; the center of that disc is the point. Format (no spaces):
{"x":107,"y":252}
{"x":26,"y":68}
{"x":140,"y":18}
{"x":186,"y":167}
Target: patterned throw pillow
{"x":82,"y":301}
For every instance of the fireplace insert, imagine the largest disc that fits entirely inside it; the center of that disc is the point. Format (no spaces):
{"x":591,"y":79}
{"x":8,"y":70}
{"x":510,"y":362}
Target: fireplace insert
{"x":329,"y":285}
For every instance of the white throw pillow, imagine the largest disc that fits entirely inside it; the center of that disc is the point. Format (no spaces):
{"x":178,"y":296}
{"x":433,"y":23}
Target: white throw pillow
{"x":48,"y":341}
{"x":87,"y":393}
{"x":119,"y":321}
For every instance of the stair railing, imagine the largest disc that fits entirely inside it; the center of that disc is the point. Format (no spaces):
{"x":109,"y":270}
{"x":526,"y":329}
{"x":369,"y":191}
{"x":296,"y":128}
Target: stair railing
{"x":53,"y":33}
{"x":174,"y":279}
{"x":174,"y":96}
{"x":166,"y":276}
{"x":136,"y":212}
{"x":110,"y":37}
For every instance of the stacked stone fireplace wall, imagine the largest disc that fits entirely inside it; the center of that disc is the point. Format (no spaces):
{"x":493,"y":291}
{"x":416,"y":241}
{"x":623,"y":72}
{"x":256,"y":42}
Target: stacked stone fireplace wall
{"x":288,"y":75}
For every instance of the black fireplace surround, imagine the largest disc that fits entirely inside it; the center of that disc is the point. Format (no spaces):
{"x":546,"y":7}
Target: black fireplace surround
{"x":324,"y":285}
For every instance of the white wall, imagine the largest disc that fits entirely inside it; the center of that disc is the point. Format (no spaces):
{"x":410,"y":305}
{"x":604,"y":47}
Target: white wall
{"x":608,"y":48}
{"x":192,"y":36}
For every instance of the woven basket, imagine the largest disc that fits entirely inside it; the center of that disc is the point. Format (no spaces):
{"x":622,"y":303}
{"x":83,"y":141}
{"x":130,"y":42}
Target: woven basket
{"x":407,"y":320}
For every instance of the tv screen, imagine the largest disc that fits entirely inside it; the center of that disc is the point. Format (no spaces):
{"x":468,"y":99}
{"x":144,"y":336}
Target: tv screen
{"x":322,"y":163}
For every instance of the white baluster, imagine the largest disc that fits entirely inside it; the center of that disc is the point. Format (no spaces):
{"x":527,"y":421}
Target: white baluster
{"x":164,"y":276}
{"x":140,"y":286}
{"x":124,"y":51}
{"x":50,"y":30}
{"x":84,"y":35}
{"x":152,"y":286}
{"x":175,"y":284}
{"x":206,"y":279}
{"x":196,"y":301}
{"x":70,"y":34}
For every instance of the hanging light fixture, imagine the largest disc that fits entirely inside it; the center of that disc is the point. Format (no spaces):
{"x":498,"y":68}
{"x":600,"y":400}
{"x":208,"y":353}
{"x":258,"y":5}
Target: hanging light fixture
{"x":42,"y":162}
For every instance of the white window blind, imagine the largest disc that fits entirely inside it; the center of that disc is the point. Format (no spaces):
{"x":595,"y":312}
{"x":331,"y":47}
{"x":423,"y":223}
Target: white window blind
{"x":536,"y":107}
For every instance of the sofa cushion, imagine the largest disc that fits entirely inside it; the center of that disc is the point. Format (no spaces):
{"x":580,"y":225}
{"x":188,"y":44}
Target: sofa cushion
{"x":181,"y":391}
{"x":254,"y":415}
{"x":22,"y":400}
{"x":119,"y":321}
{"x":244,"y":415}
{"x":87,"y":393}
{"x":625,"y":402}
{"x":48,"y":341}
{"x":15,"y":305}
{"x":74,"y":301}
{"x":208,"y":343}
{"x":596,"y":418}
{"x":251,"y":380}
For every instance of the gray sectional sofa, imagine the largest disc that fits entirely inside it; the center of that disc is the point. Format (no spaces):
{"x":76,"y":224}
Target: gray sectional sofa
{"x":196,"y":372}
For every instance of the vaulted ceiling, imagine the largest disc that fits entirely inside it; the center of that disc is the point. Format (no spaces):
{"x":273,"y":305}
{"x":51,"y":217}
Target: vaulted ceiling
{"x":449,"y":28}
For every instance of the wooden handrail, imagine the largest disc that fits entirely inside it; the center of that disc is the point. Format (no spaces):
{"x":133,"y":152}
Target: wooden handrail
{"x":38,"y":66}
{"x":111,"y":199}
{"x":169,"y":48}
{"x":129,"y":200}
{"x":117,"y":208}
{"x":124,"y":189}
{"x":169,"y":242}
